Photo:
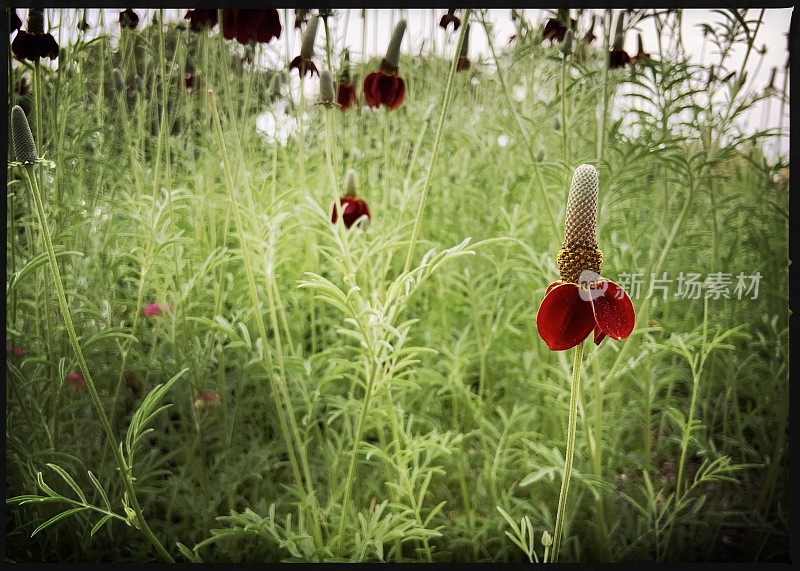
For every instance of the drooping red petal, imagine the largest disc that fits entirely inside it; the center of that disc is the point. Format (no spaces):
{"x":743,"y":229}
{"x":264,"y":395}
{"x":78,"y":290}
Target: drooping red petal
{"x":564,"y":319}
{"x":598,"y":335}
{"x":371,"y":93}
{"x":229,"y":18}
{"x":613,"y":311}
{"x":398,"y":93}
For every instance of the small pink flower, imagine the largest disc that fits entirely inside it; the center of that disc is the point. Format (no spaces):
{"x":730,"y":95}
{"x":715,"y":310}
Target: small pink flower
{"x":76,"y":380}
{"x":154,"y":309}
{"x":206,"y":399}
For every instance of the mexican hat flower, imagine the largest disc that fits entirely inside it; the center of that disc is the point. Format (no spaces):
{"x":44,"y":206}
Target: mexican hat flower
{"x":385,"y":86}
{"x":34,"y":43}
{"x":201,"y":18}
{"x":641,"y":55}
{"x":346,"y":91}
{"x":450,"y":18}
{"x":129,"y":19}
{"x":303,"y":63}
{"x":556,"y":28}
{"x":352,"y":207}
{"x":618,"y":57}
{"x":583,"y":301}
{"x":76,"y":380}
{"x":246,"y":26}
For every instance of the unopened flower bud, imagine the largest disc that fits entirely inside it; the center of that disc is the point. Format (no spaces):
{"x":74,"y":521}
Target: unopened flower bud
{"x":547,"y":539}
{"x":327,"y":94}
{"x":21,"y":137}
{"x":119,"y":81}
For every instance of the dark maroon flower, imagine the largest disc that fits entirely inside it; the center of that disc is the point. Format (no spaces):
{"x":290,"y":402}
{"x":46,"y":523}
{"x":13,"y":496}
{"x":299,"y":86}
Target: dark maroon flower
{"x":132,"y":381}
{"x":556,"y":28}
{"x":251,"y":25}
{"x":128,"y":19}
{"x":201,"y":19}
{"x":353,"y":208}
{"x":385,"y":86}
{"x":346,"y":95}
{"x":450,"y":18}
{"x":16,"y":23}
{"x":34,"y":46}
{"x":189,"y":80}
{"x":463,"y":63}
{"x":463,"y":59}
{"x":303,"y":66}
{"x":382,"y":88}
{"x":618,"y":58}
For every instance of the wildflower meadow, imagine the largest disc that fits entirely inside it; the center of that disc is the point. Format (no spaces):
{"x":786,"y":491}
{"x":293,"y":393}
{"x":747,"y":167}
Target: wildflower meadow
{"x":438,"y":294}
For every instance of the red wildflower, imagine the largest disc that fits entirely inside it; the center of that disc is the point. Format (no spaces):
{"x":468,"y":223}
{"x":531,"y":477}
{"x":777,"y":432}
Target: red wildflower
{"x":129,"y":19}
{"x":618,"y":58}
{"x":346,"y":95}
{"x":640,"y":55}
{"x":450,"y":18}
{"x":303,"y":63}
{"x":556,"y":28}
{"x":76,"y":380}
{"x":189,"y":80}
{"x":199,"y":19}
{"x":353,"y":208}
{"x":582,"y":301}
{"x":385,"y":86}
{"x":34,"y":43}
{"x":15,"y":350}
{"x":251,"y":25}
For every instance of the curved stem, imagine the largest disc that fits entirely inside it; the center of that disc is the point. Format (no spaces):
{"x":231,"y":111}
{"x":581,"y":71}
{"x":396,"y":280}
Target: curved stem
{"x":125,"y":470}
{"x":573,"y":417}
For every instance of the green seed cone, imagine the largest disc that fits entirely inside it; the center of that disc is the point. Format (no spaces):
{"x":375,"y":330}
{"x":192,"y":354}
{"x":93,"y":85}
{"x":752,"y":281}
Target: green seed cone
{"x":327,"y":94}
{"x":392,"y":58}
{"x":350,"y":183}
{"x":641,"y":44}
{"x":36,"y":21}
{"x":566,"y":47}
{"x":309,"y":37}
{"x":580,"y":226}
{"x":21,"y":137}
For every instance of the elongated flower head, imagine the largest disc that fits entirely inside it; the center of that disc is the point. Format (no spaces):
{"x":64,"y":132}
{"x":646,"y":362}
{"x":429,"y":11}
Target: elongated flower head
{"x":619,"y":34}
{"x":309,"y":37}
{"x":580,"y":251}
{"x":21,"y":137}
{"x":463,"y":55}
{"x":566,"y":47}
{"x":350,"y":183}
{"x":35,"y":21}
{"x":391,"y":61}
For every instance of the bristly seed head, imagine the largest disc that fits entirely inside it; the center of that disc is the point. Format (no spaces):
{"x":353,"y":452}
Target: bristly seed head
{"x":580,"y":251}
{"x":465,"y":46}
{"x":391,"y":61}
{"x":566,"y":47}
{"x":309,"y":37}
{"x":21,"y":137}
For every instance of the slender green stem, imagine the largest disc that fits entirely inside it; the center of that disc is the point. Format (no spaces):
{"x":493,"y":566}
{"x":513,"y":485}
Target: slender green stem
{"x":601,"y":127}
{"x":564,"y":138}
{"x":436,"y":142}
{"x":573,"y":417}
{"x":125,"y":470}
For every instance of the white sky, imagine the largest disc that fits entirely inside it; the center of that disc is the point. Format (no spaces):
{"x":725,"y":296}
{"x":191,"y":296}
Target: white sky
{"x":423,"y":30}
